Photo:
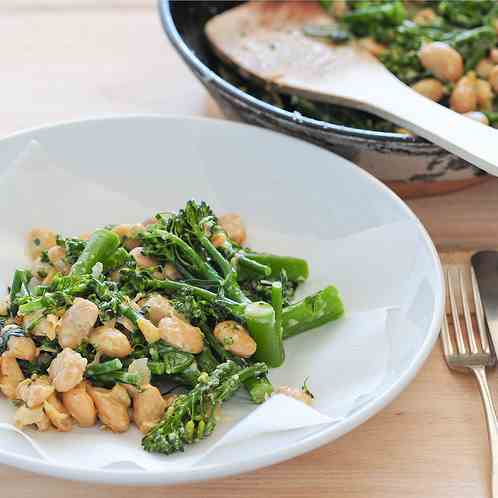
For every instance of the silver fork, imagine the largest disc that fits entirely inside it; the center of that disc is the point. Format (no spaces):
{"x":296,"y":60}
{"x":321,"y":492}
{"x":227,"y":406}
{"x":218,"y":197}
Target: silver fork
{"x":473,"y":354}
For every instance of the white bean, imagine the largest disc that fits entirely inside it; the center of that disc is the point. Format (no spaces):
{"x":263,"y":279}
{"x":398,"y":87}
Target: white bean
{"x":77,"y":322}
{"x":142,"y":260}
{"x":295,"y":393}
{"x":34,"y":392}
{"x":424,"y":17}
{"x":484,"y":67}
{"x":58,"y":414}
{"x":39,"y":240}
{"x":66,"y":370}
{"x":80,"y":405}
{"x":156,"y":307}
{"x":31,"y":416}
{"x":235,"y":338}
{"x":181,"y":335}
{"x":22,"y":348}
{"x":442,"y":60}
{"x":45,"y":326}
{"x":493,"y":78}
{"x":464,"y":96}
{"x":233,"y":226}
{"x":484,"y":95}
{"x":110,"y":341}
{"x":10,"y":375}
{"x":431,"y":88}
{"x":148,"y":408}
{"x":112,"y":412}
{"x":56,"y":256}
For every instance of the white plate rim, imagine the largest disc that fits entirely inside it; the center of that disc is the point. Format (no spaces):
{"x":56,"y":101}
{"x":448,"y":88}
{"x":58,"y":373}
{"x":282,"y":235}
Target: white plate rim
{"x":185,"y":475}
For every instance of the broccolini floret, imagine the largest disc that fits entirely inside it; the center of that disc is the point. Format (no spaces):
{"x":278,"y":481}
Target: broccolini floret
{"x":193,"y":416}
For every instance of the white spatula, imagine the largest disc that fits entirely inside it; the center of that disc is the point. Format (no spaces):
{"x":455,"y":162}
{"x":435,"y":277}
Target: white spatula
{"x":266,"y":41}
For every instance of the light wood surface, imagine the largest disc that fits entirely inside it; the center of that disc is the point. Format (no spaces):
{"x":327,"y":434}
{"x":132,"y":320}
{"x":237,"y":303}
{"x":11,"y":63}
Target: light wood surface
{"x":60,"y":62}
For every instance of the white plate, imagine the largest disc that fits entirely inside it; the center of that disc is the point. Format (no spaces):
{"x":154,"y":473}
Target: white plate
{"x":306,"y":200}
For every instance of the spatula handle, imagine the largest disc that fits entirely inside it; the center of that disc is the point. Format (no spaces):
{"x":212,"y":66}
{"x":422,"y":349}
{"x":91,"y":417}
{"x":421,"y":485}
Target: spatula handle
{"x":464,"y":137}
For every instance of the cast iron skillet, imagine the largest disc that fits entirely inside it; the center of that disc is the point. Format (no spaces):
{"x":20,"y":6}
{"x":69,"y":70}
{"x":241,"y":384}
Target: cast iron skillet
{"x":411,"y":165}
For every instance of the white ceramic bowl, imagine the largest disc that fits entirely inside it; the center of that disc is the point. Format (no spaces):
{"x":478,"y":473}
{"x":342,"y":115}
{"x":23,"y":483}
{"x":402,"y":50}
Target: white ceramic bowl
{"x":290,"y":190}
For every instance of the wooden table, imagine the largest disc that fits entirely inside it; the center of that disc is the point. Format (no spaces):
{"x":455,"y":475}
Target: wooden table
{"x":110,"y":56}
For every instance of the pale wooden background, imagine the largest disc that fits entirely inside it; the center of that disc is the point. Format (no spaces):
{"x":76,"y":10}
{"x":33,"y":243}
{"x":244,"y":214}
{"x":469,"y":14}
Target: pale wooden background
{"x":63,"y":59}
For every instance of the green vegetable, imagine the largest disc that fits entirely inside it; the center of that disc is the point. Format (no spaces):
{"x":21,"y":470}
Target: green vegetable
{"x":259,"y":388}
{"x":260,"y":320}
{"x":312,"y":311}
{"x":120,"y":257}
{"x":296,"y":269}
{"x":474,"y":44}
{"x":467,"y":25}
{"x":176,"y":361}
{"x":19,"y":288}
{"x":249,"y":269}
{"x":277,"y":302}
{"x":192,"y":416}
{"x":465,"y":13}
{"x":206,"y":360}
{"x":375,"y":19}
{"x":493,"y":118}
{"x":100,"y":246}
{"x":189,"y":376}
{"x":73,"y":248}
{"x":111,"y":372}
{"x":118,"y":377}
{"x":104,"y":368}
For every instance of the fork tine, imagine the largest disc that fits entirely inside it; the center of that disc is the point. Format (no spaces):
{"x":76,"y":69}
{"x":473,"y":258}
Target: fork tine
{"x":446,"y":339}
{"x":481,"y":324}
{"x":454,"y":314}
{"x":466,"y":314}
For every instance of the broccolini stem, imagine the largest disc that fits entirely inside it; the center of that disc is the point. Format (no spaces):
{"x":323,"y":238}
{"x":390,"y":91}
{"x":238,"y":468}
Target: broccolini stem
{"x":206,"y":360}
{"x":229,"y":272}
{"x":100,"y":246}
{"x":55,"y":299}
{"x":128,"y":312}
{"x":260,"y":320}
{"x":192,"y":415}
{"x":190,"y":376}
{"x":250,"y":269}
{"x":225,"y":267}
{"x":118,"y":377}
{"x":277,"y":299}
{"x":259,"y":388}
{"x":237,"y":258}
{"x":104,"y":368}
{"x":322,"y":307}
{"x":205,"y":270}
{"x":170,"y":286}
{"x":296,"y":268}
{"x":117,"y":259}
{"x":18,"y":288}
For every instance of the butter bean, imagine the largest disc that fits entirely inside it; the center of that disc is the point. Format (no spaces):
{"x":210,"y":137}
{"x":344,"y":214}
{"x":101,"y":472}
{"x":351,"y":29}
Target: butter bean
{"x":442,"y":60}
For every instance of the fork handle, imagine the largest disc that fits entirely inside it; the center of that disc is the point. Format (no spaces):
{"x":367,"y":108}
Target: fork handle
{"x":492,"y":423}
